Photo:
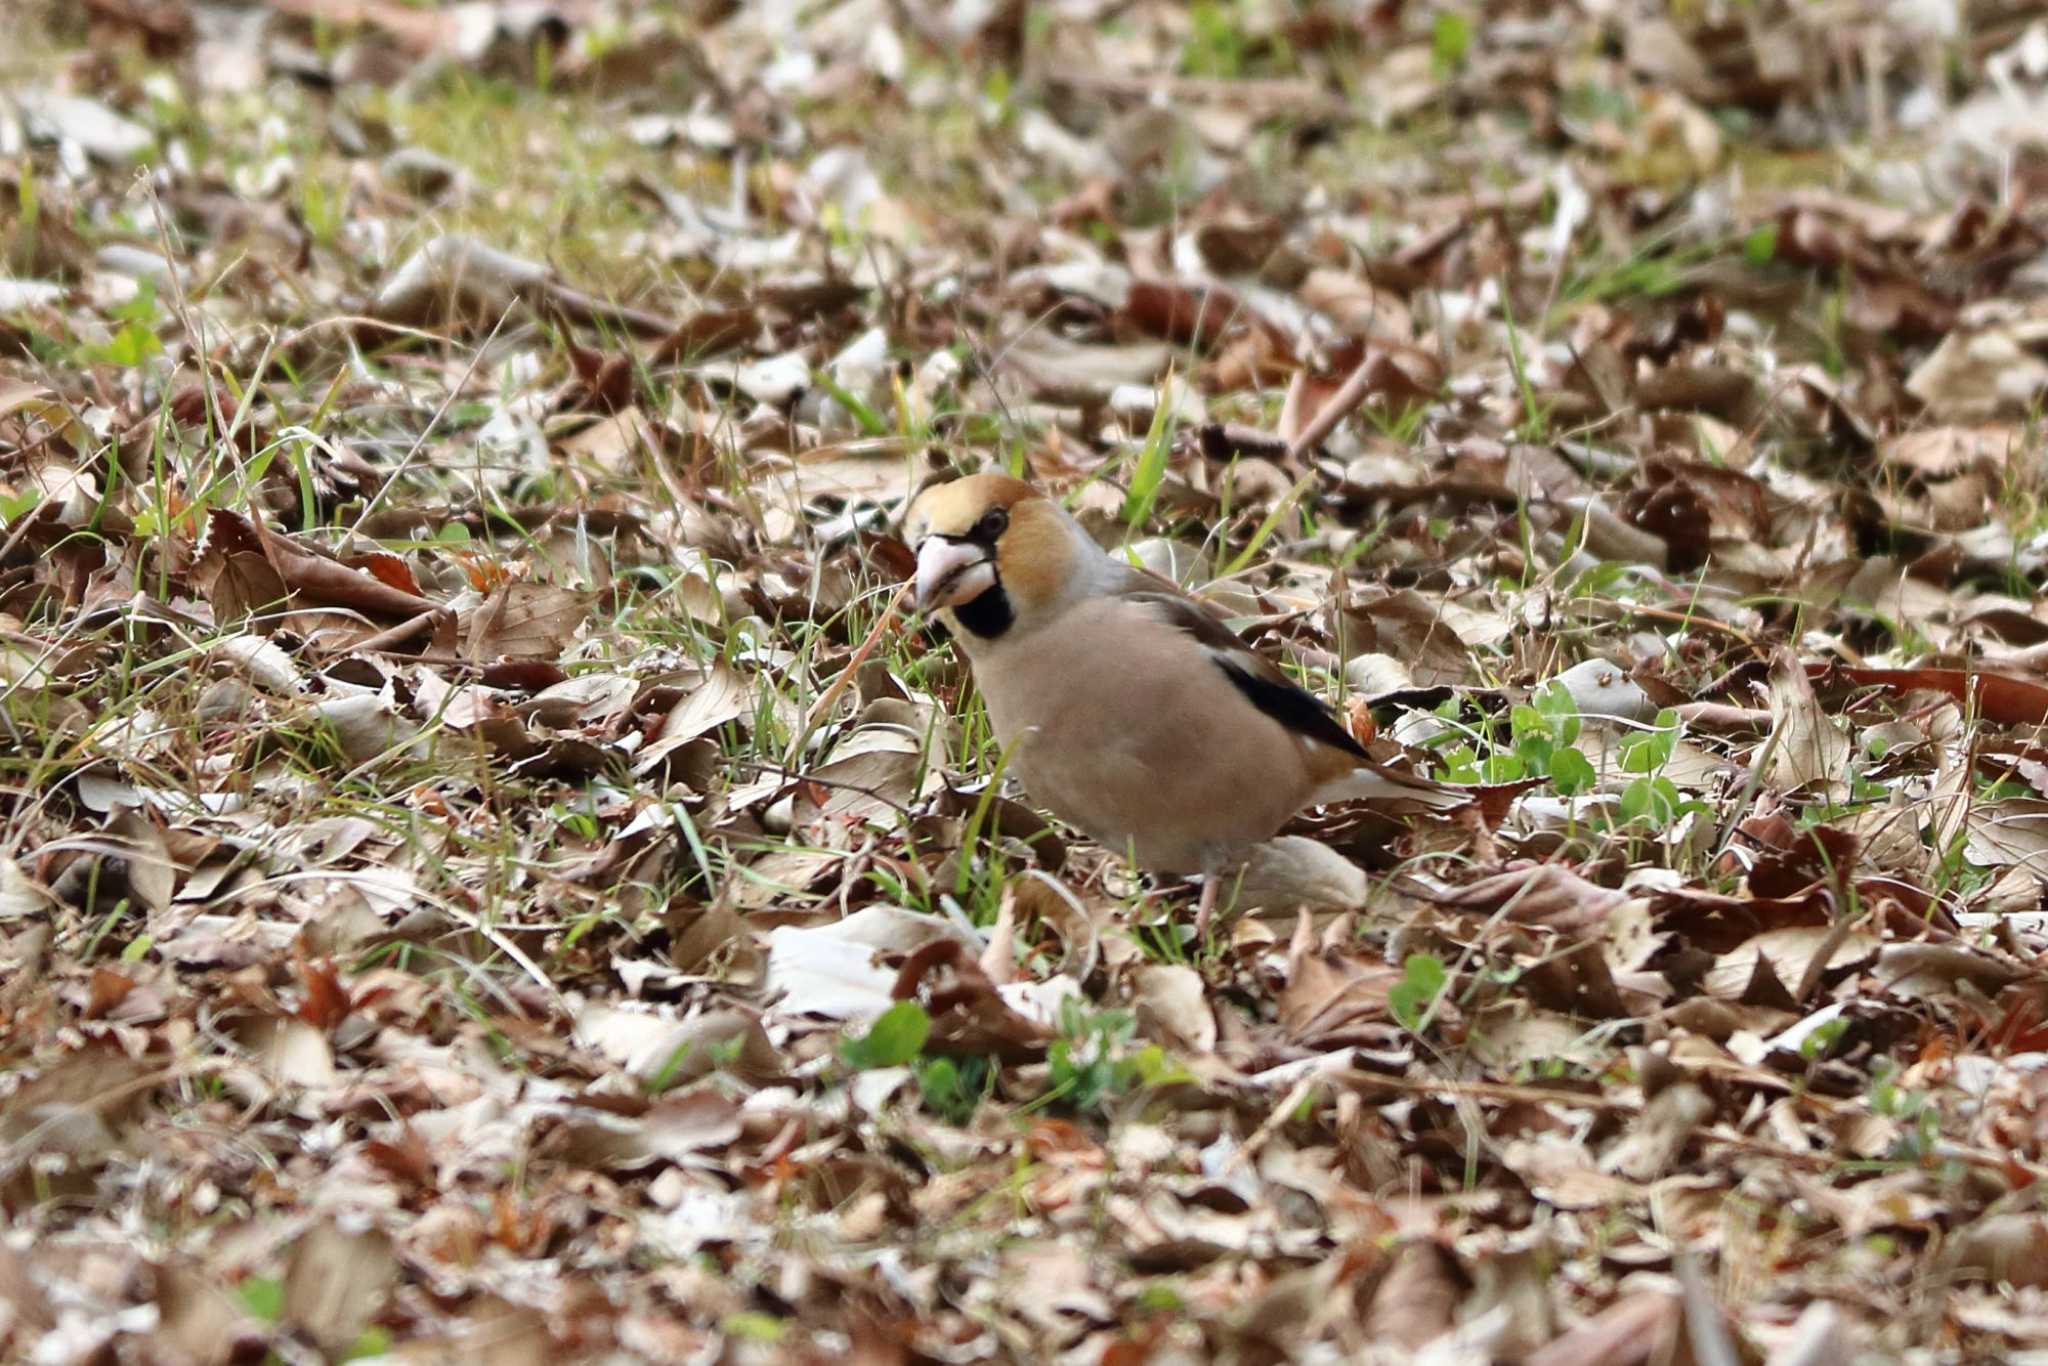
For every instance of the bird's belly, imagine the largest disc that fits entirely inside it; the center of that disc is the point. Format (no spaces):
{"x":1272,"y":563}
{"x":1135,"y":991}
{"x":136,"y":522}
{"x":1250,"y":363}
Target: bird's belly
{"x":1143,"y":784}
{"x":1179,"y":831}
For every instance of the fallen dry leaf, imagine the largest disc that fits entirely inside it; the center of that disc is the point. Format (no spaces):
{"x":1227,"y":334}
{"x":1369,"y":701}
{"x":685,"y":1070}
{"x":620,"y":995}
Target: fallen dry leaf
{"x":488,"y":872}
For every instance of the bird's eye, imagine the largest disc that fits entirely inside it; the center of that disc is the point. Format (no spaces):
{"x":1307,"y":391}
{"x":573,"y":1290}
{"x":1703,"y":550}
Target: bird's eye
{"x":993,"y":523}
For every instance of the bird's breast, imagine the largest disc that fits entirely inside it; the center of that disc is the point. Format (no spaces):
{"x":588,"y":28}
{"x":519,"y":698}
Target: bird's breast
{"x":1152,"y":754}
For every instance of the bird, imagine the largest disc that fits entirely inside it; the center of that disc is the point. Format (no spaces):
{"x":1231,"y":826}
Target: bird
{"x":1123,"y":705}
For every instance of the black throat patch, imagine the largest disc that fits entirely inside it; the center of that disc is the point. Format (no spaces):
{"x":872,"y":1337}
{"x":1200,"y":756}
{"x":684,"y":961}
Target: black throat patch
{"x":989,"y":615}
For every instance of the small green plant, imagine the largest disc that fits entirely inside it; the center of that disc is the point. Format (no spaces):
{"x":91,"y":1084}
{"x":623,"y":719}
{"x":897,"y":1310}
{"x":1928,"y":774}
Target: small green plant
{"x":15,"y":506}
{"x":1920,"y":1123}
{"x":1541,"y":735}
{"x":2003,"y":788}
{"x":953,"y":1088}
{"x":720,"y":1053}
{"x":1216,"y":44}
{"x":262,"y":1296}
{"x":320,"y":209}
{"x":1821,"y":1040}
{"x":1648,"y":751}
{"x":1091,"y":1063}
{"x":1450,"y":38}
{"x":750,"y":1325}
{"x":1161,"y":939}
{"x":863,"y":413}
{"x":1535,"y":424}
{"x":28,"y":202}
{"x":1955,"y":873}
{"x":1654,"y":801}
{"x":1651,"y":798}
{"x":1152,"y":457}
{"x":1832,"y":331}
{"x":1609,"y":579}
{"x":137,"y":341}
{"x":1270,"y":523}
{"x":1402,"y":424}
{"x":1864,"y":790}
{"x":1423,"y":978}
{"x":371,"y":1342}
{"x":894,"y":1040}
{"x":1659,"y":266}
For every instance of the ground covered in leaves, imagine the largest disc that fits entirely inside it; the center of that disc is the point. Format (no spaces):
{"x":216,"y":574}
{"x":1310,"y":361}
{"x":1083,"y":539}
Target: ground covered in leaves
{"x":486,"y":876}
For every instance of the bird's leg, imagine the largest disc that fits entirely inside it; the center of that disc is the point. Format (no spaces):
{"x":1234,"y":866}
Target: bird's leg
{"x":1212,"y":883}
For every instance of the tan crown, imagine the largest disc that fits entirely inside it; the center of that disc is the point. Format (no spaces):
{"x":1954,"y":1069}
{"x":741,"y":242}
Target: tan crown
{"x":952,"y":509}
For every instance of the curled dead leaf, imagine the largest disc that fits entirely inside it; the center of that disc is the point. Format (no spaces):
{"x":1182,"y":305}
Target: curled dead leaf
{"x":968,"y":1013}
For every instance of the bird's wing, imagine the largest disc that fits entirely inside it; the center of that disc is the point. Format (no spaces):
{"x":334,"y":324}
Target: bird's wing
{"x":1258,"y":678}
{"x":1347,"y":771}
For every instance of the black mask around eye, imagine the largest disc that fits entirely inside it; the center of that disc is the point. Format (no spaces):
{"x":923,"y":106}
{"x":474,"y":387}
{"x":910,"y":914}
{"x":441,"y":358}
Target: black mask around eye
{"x":990,"y":528}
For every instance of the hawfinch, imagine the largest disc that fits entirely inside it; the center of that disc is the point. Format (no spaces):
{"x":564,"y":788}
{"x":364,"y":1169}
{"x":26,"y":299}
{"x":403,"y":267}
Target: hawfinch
{"x":1124,"y":706}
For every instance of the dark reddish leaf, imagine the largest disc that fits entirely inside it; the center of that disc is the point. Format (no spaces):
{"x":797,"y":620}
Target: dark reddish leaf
{"x":386,"y":568}
{"x":107,"y":989}
{"x":326,"y":1001}
{"x":888,"y":553}
{"x":967,"y":1014}
{"x":1189,"y":315}
{"x":522,"y":675}
{"x":1997,"y":697}
{"x":706,"y":334}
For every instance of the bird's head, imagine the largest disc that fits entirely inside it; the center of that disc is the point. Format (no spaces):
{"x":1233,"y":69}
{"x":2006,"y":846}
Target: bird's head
{"x":996,"y":553}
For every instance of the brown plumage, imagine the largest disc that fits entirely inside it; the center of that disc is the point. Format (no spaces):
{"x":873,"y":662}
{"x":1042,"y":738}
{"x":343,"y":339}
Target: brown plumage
{"x":1126,"y":708}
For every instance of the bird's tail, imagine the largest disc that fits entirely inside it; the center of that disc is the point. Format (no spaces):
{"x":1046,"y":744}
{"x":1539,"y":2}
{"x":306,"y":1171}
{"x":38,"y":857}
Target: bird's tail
{"x":1371,"y":782}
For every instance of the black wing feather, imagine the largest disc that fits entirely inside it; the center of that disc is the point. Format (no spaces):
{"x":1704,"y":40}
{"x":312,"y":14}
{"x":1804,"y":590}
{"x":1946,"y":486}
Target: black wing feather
{"x":1262,"y":683}
{"x":1293,"y":707}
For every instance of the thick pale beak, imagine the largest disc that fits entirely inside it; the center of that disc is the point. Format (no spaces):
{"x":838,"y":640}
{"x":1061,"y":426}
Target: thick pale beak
{"x":950,"y":572}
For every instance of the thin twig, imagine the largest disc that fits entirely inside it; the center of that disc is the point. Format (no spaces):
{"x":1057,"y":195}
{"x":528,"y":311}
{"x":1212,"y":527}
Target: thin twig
{"x":820,"y":708}
{"x":1278,"y":1116}
{"x":420,"y":443}
{"x":385,"y":641}
{"x":1338,"y":407}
